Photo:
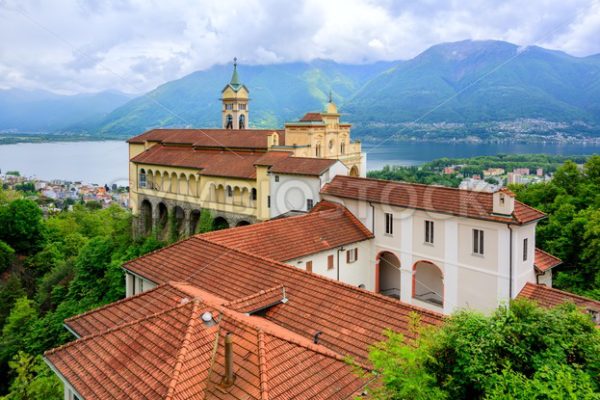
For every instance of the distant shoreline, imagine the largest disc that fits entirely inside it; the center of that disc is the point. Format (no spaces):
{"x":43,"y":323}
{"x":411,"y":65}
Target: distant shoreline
{"x":16,"y":138}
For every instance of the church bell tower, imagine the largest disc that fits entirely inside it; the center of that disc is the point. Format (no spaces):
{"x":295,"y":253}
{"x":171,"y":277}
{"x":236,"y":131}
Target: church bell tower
{"x":234,"y":98}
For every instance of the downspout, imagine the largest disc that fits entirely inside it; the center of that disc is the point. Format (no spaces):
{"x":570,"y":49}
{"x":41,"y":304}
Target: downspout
{"x":510,"y":263}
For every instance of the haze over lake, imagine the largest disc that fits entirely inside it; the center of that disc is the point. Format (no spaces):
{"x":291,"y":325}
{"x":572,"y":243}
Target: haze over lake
{"x":106,"y":162}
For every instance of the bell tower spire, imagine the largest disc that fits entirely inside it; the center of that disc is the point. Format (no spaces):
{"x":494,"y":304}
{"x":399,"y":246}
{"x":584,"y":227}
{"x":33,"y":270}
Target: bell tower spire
{"x":234,"y":97}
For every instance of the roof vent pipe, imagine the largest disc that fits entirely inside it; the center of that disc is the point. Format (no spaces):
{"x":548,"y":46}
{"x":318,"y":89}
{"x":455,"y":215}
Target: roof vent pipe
{"x":229,"y":378}
{"x":316,"y":337}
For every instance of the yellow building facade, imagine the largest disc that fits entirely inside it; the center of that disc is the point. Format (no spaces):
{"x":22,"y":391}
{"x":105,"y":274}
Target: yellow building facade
{"x":176,"y":173}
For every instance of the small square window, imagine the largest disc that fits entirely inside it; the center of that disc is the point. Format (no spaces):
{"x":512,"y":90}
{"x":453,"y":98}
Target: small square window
{"x":330,"y":261}
{"x":389,"y":224}
{"x":478,"y":241}
{"x":276,"y":178}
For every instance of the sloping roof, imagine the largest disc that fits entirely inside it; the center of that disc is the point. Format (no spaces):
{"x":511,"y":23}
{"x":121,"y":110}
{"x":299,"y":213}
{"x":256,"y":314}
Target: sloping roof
{"x":302,"y":166}
{"x":312,"y":117}
{"x":288,"y":238}
{"x":550,"y":297}
{"x":137,"y":307}
{"x":220,"y":138}
{"x":235,"y":164}
{"x":544,"y":261}
{"x":169,"y":355}
{"x":439,"y":199}
{"x":349,"y":318}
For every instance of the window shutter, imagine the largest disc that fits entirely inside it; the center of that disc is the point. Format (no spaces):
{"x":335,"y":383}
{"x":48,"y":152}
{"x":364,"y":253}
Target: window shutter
{"x":330,"y":262}
{"x":348,"y":256}
{"x":309,"y":266}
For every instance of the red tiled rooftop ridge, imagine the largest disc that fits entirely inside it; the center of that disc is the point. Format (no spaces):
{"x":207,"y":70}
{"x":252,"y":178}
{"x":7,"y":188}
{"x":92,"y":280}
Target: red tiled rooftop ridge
{"x":544,"y":261}
{"x":150,"y":360}
{"x":312,"y":117}
{"x":209,"y":137}
{"x":551,"y":297}
{"x":302,"y":166}
{"x":467,"y":203}
{"x":235,"y":164}
{"x":310,"y":233}
{"x":359,"y":319}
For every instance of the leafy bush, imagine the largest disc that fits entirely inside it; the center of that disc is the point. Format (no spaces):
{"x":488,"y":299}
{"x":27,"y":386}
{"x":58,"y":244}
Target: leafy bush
{"x":524,"y":352}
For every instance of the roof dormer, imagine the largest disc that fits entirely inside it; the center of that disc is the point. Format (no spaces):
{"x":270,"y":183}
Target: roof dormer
{"x":503,"y":202}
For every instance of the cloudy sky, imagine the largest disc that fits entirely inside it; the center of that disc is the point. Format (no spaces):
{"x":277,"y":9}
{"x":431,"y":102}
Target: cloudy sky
{"x":132,"y":46}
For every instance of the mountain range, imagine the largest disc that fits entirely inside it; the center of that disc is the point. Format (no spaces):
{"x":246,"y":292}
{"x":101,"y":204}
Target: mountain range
{"x":468,"y":85}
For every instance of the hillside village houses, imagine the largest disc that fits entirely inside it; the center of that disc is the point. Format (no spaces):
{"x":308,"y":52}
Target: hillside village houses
{"x":321,"y":262}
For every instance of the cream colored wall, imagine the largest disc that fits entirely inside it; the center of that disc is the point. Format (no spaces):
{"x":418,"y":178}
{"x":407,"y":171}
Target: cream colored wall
{"x":355,"y":273}
{"x":524,"y":271}
{"x":263,"y":192}
{"x":195,"y":193}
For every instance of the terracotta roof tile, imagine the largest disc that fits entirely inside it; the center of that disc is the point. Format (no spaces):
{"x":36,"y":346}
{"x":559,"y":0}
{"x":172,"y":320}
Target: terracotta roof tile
{"x":235,"y":164}
{"x":544,"y":261}
{"x":310,"y":233}
{"x":271,"y":157}
{"x":302,"y":166}
{"x":439,"y":199}
{"x":550,"y":297}
{"x":312,"y":117}
{"x":350,"y":318}
{"x":220,"y":138}
{"x":172,"y":355}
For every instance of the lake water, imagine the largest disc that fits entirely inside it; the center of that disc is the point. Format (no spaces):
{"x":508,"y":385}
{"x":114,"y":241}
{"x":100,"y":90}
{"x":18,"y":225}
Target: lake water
{"x":106,"y":162}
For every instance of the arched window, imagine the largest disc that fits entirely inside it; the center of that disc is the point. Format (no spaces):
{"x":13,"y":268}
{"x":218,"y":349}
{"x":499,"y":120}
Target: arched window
{"x":142,"y":182}
{"x":331,"y":145}
{"x":229,"y":191}
{"x":242,"y":124}
{"x":343,"y":148}
{"x":318,"y":150}
{"x":253,"y":194}
{"x":229,"y":124}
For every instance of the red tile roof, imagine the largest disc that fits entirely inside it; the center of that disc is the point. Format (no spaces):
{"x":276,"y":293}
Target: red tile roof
{"x":221,"y":138}
{"x":174,"y":355}
{"x":302,"y":166}
{"x":235,"y":164}
{"x":550,"y":297}
{"x":544,"y":261}
{"x":312,"y":117}
{"x":288,"y":238}
{"x":349,"y":318}
{"x":439,"y":199}
{"x":136,"y":307}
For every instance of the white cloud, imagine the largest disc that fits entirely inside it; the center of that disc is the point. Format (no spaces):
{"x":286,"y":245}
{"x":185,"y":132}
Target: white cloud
{"x":85,"y":46}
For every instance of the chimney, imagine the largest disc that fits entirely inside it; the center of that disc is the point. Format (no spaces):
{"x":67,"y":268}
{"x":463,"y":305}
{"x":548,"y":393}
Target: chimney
{"x":229,"y":377}
{"x":503,"y":202}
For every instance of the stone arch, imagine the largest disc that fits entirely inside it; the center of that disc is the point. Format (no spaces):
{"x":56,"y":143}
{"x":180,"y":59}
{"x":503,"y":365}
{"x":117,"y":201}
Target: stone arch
{"x":194,"y":221}
{"x":237,"y":196}
{"x":157,"y":180}
{"x":387,"y":274}
{"x":174,"y":183}
{"x":228,"y":194}
{"x":150,"y":179}
{"x":146,"y":217}
{"x":242,"y":122}
{"x":183,"y":184}
{"x":253,"y":197}
{"x":229,"y":122}
{"x":354,"y":171}
{"x":220,"y":223}
{"x":162,"y":221}
{"x":142,"y":179}
{"x":179,"y":220}
{"x":193,"y":186}
{"x":428,"y":283}
{"x":220,"y":192}
{"x":166,"y":182}
{"x":242,"y":223}
{"x":331,"y":146}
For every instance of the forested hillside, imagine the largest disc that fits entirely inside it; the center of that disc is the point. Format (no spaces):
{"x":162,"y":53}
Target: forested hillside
{"x":51,"y":269}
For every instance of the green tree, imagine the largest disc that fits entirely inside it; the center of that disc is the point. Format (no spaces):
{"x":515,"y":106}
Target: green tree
{"x":33,"y":380}
{"x":22,"y":225}
{"x":10,"y":290}
{"x":7,"y":255}
{"x":205,"y":224}
{"x":552,"y":353}
{"x":16,"y":328}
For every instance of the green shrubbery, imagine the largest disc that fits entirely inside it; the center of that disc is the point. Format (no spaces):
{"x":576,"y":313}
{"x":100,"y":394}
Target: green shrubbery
{"x":524,"y":352}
